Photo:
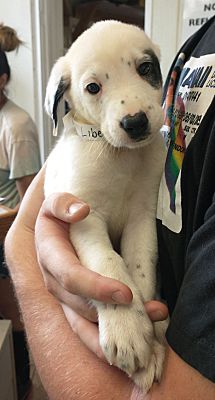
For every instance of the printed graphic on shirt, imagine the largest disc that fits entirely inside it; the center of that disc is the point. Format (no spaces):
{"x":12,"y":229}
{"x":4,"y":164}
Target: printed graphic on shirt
{"x":188,"y":97}
{"x":173,"y":123}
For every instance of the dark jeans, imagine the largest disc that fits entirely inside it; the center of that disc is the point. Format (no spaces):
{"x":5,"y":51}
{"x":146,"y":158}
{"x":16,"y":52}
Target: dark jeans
{"x":21,"y":355}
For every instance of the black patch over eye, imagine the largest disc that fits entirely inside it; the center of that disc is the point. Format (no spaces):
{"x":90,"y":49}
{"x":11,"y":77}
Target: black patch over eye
{"x":144,"y":68}
{"x":150,"y":70}
{"x":93,"y":88}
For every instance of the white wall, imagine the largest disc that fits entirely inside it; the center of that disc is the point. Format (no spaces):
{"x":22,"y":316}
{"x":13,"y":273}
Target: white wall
{"x":162,"y":24}
{"x":170,"y":22}
{"x":48,"y":46}
{"x":17,"y":14}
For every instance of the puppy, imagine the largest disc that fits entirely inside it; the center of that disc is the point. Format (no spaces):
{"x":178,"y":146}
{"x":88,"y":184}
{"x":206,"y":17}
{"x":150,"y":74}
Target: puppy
{"x":111,"y":155}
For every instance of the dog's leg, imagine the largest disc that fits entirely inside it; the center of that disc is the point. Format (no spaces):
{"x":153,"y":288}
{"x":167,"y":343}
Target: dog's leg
{"x":126,"y":333}
{"x":139,"y":251}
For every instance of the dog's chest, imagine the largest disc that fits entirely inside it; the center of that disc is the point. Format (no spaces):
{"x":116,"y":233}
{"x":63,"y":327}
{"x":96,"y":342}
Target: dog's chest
{"x":110,"y":181}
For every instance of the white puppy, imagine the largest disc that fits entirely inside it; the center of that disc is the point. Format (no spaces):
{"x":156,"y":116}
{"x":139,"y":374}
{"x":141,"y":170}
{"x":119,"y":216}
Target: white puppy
{"x":111,"y":156}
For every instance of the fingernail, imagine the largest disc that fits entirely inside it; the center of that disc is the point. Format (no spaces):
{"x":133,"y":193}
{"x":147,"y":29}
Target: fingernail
{"x":157,"y":315}
{"x":74,"y":208}
{"x":119,"y":297}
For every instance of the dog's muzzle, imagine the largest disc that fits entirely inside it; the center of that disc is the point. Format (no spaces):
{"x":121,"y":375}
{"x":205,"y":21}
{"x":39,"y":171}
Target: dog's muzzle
{"x":136,"y":126}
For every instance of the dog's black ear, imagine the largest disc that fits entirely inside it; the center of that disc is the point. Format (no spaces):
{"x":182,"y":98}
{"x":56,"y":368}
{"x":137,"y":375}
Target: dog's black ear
{"x":58,"y":83}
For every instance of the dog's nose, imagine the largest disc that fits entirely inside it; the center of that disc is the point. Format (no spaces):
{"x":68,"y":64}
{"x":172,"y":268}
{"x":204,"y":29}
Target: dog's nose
{"x":136,"y":126}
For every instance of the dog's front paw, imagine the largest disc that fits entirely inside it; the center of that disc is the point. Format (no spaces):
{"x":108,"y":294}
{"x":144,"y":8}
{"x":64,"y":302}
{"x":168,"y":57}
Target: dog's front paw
{"x":145,"y":377}
{"x":126,"y":335}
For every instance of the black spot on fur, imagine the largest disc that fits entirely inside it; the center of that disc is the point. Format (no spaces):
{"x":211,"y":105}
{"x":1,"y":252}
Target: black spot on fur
{"x":141,"y":313}
{"x":107,"y":76}
{"x":138,"y":266}
{"x":122,"y":101}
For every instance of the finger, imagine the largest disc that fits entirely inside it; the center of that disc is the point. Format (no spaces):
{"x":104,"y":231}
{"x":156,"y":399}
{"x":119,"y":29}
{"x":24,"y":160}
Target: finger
{"x":78,"y":304}
{"x":156,"y":310}
{"x":83,"y":282}
{"x":65,"y":207}
{"x":63,"y":264}
{"x":86,"y":330}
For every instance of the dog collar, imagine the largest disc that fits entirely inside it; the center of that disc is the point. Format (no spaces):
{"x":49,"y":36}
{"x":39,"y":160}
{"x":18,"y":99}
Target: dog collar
{"x":85,"y":131}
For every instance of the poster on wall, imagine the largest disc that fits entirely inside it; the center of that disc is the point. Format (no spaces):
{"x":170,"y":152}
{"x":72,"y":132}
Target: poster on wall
{"x":195,"y":14}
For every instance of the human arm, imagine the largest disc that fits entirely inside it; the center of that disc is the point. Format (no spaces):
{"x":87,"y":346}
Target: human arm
{"x":56,"y":349}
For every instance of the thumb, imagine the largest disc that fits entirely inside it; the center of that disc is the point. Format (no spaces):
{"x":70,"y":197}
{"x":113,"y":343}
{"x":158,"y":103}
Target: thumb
{"x":156,"y":310}
{"x":65,"y":207}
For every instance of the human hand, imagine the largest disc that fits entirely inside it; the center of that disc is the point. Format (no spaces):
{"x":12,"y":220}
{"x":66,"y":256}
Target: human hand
{"x":63,"y":274}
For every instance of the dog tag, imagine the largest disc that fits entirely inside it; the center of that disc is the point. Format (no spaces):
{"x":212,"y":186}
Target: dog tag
{"x":85,"y":131}
{"x":88,"y":132}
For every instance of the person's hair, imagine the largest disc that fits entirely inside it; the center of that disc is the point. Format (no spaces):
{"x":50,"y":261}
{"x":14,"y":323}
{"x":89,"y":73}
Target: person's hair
{"x":9,"y":41}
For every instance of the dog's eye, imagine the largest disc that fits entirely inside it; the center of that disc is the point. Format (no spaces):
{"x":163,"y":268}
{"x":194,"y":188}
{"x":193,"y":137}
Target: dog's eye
{"x":93,"y":88}
{"x":144,"y":68}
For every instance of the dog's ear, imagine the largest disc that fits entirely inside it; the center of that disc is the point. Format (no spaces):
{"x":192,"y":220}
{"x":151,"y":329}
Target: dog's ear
{"x":58,"y":83}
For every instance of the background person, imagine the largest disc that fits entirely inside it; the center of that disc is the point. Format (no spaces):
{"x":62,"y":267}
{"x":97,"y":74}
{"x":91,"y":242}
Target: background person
{"x":19,"y":148}
{"x":19,"y":162}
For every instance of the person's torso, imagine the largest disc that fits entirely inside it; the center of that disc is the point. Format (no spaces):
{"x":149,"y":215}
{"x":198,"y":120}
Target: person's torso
{"x":16,"y":126}
{"x":187,"y":184}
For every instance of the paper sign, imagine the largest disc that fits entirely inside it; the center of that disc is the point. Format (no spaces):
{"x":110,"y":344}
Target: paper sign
{"x":195,"y":14}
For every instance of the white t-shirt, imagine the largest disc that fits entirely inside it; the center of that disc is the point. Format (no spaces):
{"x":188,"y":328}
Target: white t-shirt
{"x":19,"y":150}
